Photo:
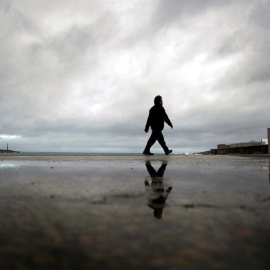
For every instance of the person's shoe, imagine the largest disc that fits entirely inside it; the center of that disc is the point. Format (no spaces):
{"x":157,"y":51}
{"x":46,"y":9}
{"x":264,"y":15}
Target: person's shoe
{"x":168,"y":152}
{"x":148,"y":153}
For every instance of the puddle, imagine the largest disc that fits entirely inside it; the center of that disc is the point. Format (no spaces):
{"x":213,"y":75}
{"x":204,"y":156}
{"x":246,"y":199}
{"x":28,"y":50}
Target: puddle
{"x":8,"y":165}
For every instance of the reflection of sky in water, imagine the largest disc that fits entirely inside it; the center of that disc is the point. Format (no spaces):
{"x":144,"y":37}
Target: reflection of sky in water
{"x":8,"y":165}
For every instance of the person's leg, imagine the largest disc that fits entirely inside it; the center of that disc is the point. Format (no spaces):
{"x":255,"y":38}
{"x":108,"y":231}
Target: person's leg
{"x":150,"y":169}
{"x":162,"y":142}
{"x":161,"y":170}
{"x":150,"y":142}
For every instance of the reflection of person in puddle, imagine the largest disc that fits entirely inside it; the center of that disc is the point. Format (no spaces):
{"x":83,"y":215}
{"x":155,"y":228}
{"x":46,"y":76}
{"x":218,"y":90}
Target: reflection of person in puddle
{"x":158,"y":191}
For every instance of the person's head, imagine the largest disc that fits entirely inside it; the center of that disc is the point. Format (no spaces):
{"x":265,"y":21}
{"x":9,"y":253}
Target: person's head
{"x":158,"y":100}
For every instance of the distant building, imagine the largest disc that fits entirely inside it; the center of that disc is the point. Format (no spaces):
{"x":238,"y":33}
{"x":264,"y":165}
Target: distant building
{"x":268,"y":134}
{"x":252,"y":147}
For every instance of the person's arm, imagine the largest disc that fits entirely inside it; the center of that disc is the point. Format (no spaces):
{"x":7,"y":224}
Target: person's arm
{"x":146,"y":183}
{"x":167,"y":192}
{"x":167,"y":120}
{"x":148,"y":123}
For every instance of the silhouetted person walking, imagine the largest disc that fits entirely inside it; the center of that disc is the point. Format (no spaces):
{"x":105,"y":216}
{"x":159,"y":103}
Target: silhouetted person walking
{"x":156,"y":118}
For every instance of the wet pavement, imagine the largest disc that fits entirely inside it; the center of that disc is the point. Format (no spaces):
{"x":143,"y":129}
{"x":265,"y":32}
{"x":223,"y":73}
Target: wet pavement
{"x":153,"y":213}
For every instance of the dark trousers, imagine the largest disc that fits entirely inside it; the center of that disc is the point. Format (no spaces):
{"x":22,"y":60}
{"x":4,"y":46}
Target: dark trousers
{"x":153,"y":172}
{"x":156,"y":136}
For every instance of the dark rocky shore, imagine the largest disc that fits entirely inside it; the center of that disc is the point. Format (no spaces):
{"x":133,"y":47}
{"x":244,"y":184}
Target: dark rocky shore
{"x":8,"y":151}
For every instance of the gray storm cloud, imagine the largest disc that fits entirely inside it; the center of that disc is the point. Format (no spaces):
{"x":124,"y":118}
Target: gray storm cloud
{"x":82,"y":76}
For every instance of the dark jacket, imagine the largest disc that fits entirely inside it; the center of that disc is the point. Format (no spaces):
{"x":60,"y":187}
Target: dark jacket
{"x":156,"y":118}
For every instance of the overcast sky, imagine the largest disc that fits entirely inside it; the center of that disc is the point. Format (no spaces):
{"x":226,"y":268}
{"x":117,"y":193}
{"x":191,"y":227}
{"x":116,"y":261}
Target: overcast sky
{"x":82,"y":75}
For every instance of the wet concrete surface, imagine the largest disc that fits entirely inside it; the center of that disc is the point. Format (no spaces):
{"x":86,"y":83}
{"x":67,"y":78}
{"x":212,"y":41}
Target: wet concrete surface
{"x":152,"y":213}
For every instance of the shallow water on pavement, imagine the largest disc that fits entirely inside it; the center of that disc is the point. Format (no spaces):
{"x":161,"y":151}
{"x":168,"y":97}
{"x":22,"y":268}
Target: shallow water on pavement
{"x":188,"y":214}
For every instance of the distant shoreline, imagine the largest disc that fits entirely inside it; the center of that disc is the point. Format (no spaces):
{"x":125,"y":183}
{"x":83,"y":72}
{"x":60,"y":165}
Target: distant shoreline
{"x":8,"y":151}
